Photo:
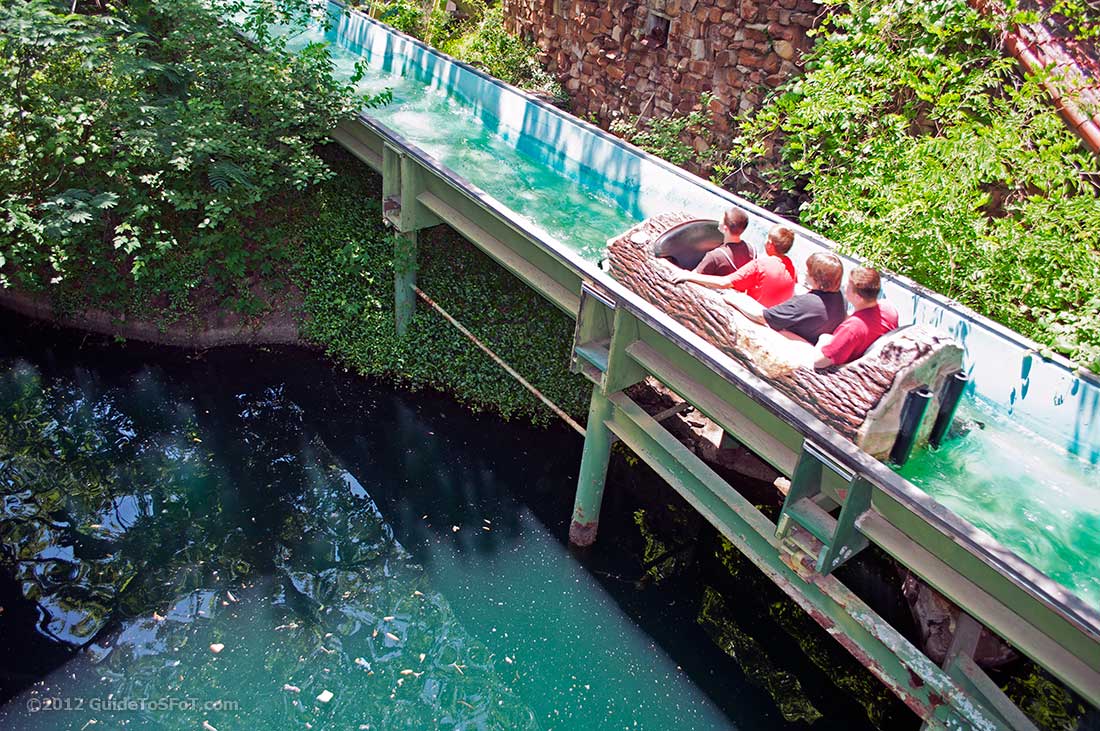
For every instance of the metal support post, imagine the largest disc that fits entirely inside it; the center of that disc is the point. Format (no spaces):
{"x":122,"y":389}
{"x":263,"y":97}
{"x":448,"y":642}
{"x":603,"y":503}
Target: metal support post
{"x":593,"y":474}
{"x":404,"y":280}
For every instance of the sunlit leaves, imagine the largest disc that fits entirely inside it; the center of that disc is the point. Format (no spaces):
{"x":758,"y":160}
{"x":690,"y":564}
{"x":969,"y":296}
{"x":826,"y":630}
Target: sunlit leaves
{"x":133,"y":133}
{"x":920,"y":146}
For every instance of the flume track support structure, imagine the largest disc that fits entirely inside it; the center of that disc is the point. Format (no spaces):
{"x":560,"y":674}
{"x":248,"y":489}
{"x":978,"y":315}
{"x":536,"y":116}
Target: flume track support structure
{"x":845,"y":499}
{"x":619,"y":340}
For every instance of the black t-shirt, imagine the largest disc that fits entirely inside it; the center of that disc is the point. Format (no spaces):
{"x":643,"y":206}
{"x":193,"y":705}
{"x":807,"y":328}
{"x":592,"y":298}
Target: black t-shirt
{"x":808,"y":315}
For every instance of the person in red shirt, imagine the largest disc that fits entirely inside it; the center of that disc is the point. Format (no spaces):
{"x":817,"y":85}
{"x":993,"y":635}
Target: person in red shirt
{"x":733,"y":253}
{"x":870,"y":319}
{"x":768,"y":279}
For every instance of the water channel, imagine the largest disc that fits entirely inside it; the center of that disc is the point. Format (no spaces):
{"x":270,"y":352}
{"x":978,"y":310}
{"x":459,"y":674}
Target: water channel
{"x":327,"y":536}
{"x":1038,"y":496}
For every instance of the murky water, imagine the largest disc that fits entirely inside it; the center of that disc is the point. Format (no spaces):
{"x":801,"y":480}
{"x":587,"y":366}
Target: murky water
{"x":234,"y":537}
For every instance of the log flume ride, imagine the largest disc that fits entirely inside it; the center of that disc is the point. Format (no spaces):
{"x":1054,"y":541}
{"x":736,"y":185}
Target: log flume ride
{"x":862,"y":400}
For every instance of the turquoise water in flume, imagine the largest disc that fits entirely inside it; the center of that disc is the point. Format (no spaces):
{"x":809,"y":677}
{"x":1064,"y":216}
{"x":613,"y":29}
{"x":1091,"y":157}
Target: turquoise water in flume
{"x":1035,"y":498}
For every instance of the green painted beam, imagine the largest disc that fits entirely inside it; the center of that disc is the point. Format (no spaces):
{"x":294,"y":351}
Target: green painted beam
{"x":513,"y":252}
{"x":593,"y":472}
{"x":947,"y":572}
{"x":404,"y":280}
{"x":747,"y":421}
{"x":361,"y":142}
{"x":766,"y":423}
{"x":923,"y":686}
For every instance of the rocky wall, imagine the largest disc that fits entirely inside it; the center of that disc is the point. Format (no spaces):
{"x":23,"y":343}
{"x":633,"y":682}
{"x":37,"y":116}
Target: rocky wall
{"x":656,"y":57}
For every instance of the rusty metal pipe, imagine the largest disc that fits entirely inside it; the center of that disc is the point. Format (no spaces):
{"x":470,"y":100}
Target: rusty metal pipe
{"x":1086,"y":127}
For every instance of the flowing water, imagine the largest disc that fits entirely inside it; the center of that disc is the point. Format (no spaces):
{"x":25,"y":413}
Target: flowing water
{"x":325,"y":537}
{"x":1035,"y":497}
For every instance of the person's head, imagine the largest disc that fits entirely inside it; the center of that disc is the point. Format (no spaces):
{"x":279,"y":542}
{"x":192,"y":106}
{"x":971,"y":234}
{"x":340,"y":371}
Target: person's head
{"x":734,"y":222}
{"x":864,"y":286}
{"x":824,"y":271}
{"x":780,"y":240}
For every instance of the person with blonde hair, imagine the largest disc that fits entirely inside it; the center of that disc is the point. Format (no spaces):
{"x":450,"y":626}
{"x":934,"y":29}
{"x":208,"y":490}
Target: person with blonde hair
{"x":804,"y":316}
{"x":768,"y":279}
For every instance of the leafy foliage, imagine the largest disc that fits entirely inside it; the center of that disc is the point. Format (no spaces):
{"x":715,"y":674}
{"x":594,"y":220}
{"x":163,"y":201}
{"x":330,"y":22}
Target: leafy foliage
{"x":478,"y":38}
{"x":1082,"y":17}
{"x":146,"y":139}
{"x":405,"y":16}
{"x":922,"y":149}
{"x":672,"y":138}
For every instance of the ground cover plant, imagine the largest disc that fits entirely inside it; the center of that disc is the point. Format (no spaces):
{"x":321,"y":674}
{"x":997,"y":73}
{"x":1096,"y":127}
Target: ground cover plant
{"x":345,"y":269}
{"x":917,"y":144}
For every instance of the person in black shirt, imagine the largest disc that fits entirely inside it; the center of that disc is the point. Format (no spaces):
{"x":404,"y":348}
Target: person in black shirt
{"x":733,"y":253}
{"x":804,"y":316}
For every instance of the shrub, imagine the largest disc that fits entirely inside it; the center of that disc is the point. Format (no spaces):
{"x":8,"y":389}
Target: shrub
{"x":149,"y":139}
{"x":922,"y":148}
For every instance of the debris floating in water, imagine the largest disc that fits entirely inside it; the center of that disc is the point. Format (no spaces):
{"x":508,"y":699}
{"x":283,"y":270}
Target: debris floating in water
{"x":217,"y":647}
{"x":291,"y":688}
{"x":393,"y":637}
{"x":325,"y":696}
{"x":388,"y":619}
{"x":361,"y":662}
{"x":207,"y":727}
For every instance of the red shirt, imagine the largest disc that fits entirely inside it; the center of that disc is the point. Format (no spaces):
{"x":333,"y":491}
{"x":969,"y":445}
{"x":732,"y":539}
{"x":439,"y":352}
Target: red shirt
{"x":726,"y":259}
{"x":769,"y":280}
{"x":863,"y":327}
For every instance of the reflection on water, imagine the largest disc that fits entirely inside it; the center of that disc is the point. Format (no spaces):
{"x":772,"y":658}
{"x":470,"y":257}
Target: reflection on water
{"x":324,"y":538}
{"x":124,"y":506}
{"x":1037,"y":500}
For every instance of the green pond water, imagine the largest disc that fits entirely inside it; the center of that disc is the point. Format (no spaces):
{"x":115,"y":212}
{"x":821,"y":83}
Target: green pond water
{"x":328,"y":537}
{"x":1032,"y":496}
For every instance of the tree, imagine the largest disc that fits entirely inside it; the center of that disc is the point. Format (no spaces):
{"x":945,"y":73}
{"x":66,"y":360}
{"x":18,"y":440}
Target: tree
{"x":153,"y":136}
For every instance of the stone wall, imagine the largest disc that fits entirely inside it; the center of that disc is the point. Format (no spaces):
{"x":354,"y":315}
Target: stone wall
{"x":615,"y":57}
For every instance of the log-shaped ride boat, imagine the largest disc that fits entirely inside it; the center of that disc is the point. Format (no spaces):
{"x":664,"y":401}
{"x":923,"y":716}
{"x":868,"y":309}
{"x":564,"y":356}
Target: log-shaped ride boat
{"x":862,"y":400}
